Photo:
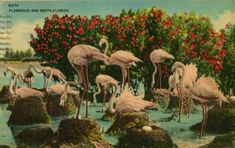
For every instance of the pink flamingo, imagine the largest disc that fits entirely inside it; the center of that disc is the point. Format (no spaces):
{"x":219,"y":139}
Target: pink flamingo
{"x":27,"y":75}
{"x":126,"y":102}
{"x":204,"y":91}
{"x":121,"y":58}
{"x":188,"y":76}
{"x":156,"y":57}
{"x":79,"y":57}
{"x":47,"y":73}
{"x":103,"y":80}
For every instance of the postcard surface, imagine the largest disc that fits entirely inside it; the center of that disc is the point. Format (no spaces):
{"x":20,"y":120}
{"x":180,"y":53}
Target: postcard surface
{"x":101,"y":73}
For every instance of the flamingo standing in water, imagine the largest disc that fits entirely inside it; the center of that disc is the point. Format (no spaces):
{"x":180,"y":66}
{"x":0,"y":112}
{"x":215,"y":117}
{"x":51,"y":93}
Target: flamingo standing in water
{"x":204,"y":91}
{"x":156,"y":57}
{"x":79,"y":57}
{"x":121,"y":58}
{"x":103,"y":80}
{"x":188,"y":76}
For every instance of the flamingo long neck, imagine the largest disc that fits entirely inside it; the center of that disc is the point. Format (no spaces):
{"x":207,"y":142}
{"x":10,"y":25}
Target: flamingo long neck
{"x":182,"y":78}
{"x":153,"y":76}
{"x":94,"y":95}
{"x":113,"y":99}
{"x":35,"y":69}
{"x":106,"y":47}
{"x":49,"y":80}
{"x":11,"y":86}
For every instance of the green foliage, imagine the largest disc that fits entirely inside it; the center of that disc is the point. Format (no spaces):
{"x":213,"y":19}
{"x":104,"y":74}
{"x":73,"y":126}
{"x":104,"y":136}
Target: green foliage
{"x":18,"y":53}
{"x":227,"y":75}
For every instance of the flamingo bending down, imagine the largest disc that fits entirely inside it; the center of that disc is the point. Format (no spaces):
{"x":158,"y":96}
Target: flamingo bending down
{"x":103,"y":80}
{"x":126,"y":102}
{"x":27,"y":77}
{"x":188,"y":76}
{"x":46,"y":71}
{"x":79,"y":57}
{"x":69,"y":90}
{"x":121,"y":58}
{"x":204,"y":91}
{"x":156,"y":57}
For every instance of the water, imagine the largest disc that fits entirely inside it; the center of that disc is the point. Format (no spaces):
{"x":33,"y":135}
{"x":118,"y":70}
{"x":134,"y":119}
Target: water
{"x":179,"y":132}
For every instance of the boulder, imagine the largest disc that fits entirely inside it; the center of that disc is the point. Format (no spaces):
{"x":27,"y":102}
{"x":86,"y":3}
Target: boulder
{"x":223,"y":141}
{"x":5,"y":94}
{"x":128,"y":120}
{"x":29,"y":111}
{"x":35,"y":136}
{"x":55,"y":109}
{"x":78,"y":133}
{"x":220,"y":119}
{"x":154,"y":138}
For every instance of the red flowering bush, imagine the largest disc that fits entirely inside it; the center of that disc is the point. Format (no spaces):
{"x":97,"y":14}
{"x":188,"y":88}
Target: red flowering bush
{"x":188,"y":37}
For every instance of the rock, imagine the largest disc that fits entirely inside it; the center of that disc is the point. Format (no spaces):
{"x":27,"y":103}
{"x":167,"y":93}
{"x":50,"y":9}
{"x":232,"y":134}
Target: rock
{"x":220,"y":119}
{"x":82,"y":133}
{"x":108,"y":116}
{"x":55,"y":109}
{"x":128,"y":120}
{"x":223,"y":141}
{"x":137,"y":137}
{"x":29,"y":111}
{"x":5,"y":94}
{"x":35,"y":136}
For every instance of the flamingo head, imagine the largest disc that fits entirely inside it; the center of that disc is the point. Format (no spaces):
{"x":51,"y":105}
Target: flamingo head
{"x":177,"y":65}
{"x":102,"y":41}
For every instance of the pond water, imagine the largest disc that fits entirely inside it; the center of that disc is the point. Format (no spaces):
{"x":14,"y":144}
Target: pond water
{"x":179,"y":132}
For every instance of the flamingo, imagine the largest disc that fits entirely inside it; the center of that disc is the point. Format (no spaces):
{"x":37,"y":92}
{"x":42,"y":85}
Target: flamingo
{"x":188,"y":75}
{"x":121,"y":58}
{"x":46,"y":71}
{"x":126,"y":102}
{"x":22,"y":92}
{"x":68,"y":90}
{"x":27,"y":75}
{"x":13,"y":72}
{"x":156,"y":57}
{"x":204,"y":91}
{"x":79,"y":57}
{"x":103,"y":80}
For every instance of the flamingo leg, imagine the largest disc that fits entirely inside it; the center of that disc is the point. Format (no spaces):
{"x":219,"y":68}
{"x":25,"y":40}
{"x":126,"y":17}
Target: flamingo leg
{"x":87,"y":87}
{"x":160,"y":76}
{"x":205,"y":108}
{"x":180,"y":103}
{"x":203,"y":120}
{"x":129,"y":79}
{"x":81,"y":73}
{"x":123,"y":78}
{"x":104,"y":99}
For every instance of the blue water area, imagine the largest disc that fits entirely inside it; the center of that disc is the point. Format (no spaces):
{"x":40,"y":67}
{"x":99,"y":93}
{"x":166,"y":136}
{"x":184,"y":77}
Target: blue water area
{"x":179,"y":132}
